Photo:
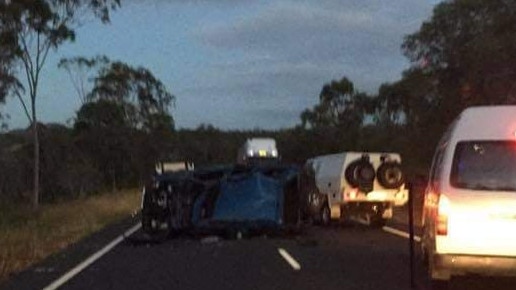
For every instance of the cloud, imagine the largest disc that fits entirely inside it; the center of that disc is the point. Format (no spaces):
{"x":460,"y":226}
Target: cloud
{"x":261,"y":63}
{"x":289,"y":31}
{"x":273,"y":59}
{"x":322,"y":36}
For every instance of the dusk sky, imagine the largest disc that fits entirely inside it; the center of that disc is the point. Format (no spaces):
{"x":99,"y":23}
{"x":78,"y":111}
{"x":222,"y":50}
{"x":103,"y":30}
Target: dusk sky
{"x":240,"y":64}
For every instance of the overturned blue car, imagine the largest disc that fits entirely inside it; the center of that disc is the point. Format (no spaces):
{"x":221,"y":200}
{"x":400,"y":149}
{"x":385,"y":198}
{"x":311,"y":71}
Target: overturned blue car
{"x":223,"y":200}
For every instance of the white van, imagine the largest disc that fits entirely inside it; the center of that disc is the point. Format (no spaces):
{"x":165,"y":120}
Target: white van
{"x":365,"y":185}
{"x":469,"y":214}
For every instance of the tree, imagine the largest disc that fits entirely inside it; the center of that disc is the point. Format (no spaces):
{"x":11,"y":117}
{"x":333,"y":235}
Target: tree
{"x":31,"y":28}
{"x":144,"y":98}
{"x":468,"y":47}
{"x":81,"y":70}
{"x":125,"y":123}
{"x":340,"y":105}
{"x":102,"y":132}
{"x":101,"y":114}
{"x":8,"y":84}
{"x":411,"y":101}
{"x":336,"y":121}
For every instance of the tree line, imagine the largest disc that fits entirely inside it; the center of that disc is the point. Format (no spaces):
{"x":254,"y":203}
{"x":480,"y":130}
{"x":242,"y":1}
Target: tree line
{"x":464,"y":55}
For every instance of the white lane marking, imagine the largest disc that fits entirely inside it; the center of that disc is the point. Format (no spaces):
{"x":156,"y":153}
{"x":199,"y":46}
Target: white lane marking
{"x":401,"y":233}
{"x":91,"y":259}
{"x":388,"y":229}
{"x":293,"y":263}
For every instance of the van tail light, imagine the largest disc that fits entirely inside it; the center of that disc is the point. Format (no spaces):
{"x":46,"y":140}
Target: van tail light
{"x":443,"y":211}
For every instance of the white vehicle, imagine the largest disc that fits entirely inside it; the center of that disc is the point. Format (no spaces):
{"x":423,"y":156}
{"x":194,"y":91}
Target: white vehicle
{"x":469,"y":215}
{"x":354,"y":184}
{"x":258,"y":151}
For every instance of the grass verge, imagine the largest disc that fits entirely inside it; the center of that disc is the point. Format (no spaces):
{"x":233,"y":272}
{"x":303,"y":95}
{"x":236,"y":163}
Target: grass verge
{"x":27,"y":237}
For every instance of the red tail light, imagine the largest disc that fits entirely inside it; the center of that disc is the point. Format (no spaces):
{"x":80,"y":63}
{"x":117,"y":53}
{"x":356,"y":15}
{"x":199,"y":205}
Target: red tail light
{"x":443,"y":211}
{"x":442,"y":225}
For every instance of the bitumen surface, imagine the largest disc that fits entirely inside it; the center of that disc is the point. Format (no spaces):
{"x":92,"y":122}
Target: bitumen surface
{"x":341,"y":256}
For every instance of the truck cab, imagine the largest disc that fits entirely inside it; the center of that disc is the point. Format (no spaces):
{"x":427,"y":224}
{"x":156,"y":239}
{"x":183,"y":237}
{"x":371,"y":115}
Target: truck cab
{"x":258,"y":151}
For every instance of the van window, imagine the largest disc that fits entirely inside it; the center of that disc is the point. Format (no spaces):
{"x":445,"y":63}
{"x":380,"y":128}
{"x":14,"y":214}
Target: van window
{"x":485,"y":165}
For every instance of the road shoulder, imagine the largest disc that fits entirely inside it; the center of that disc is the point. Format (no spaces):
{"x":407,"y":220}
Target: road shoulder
{"x":42,"y":274}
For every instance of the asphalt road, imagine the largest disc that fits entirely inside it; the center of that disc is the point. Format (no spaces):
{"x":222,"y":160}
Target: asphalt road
{"x":350,"y":256}
{"x":346,"y":257}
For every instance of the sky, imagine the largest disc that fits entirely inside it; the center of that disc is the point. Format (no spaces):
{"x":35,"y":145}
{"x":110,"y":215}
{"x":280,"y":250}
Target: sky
{"x":239,"y":64}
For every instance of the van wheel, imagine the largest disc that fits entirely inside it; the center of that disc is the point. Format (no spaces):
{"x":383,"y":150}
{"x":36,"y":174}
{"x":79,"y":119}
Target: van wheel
{"x":435,"y":284}
{"x":325,"y":215}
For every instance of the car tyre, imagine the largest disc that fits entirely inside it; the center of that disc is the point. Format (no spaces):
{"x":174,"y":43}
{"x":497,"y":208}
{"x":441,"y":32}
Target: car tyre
{"x":435,"y":284}
{"x":147,"y":224}
{"x":152,"y":228}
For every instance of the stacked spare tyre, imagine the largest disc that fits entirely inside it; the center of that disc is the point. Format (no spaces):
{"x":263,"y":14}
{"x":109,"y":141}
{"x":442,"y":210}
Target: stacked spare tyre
{"x":361,"y":174}
{"x":390,"y":174}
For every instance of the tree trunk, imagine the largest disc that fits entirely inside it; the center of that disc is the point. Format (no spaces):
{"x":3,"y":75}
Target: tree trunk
{"x":35,"y":197}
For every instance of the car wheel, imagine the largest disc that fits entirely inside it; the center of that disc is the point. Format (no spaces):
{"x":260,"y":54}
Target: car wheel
{"x":149,"y":225}
{"x":152,"y":226}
